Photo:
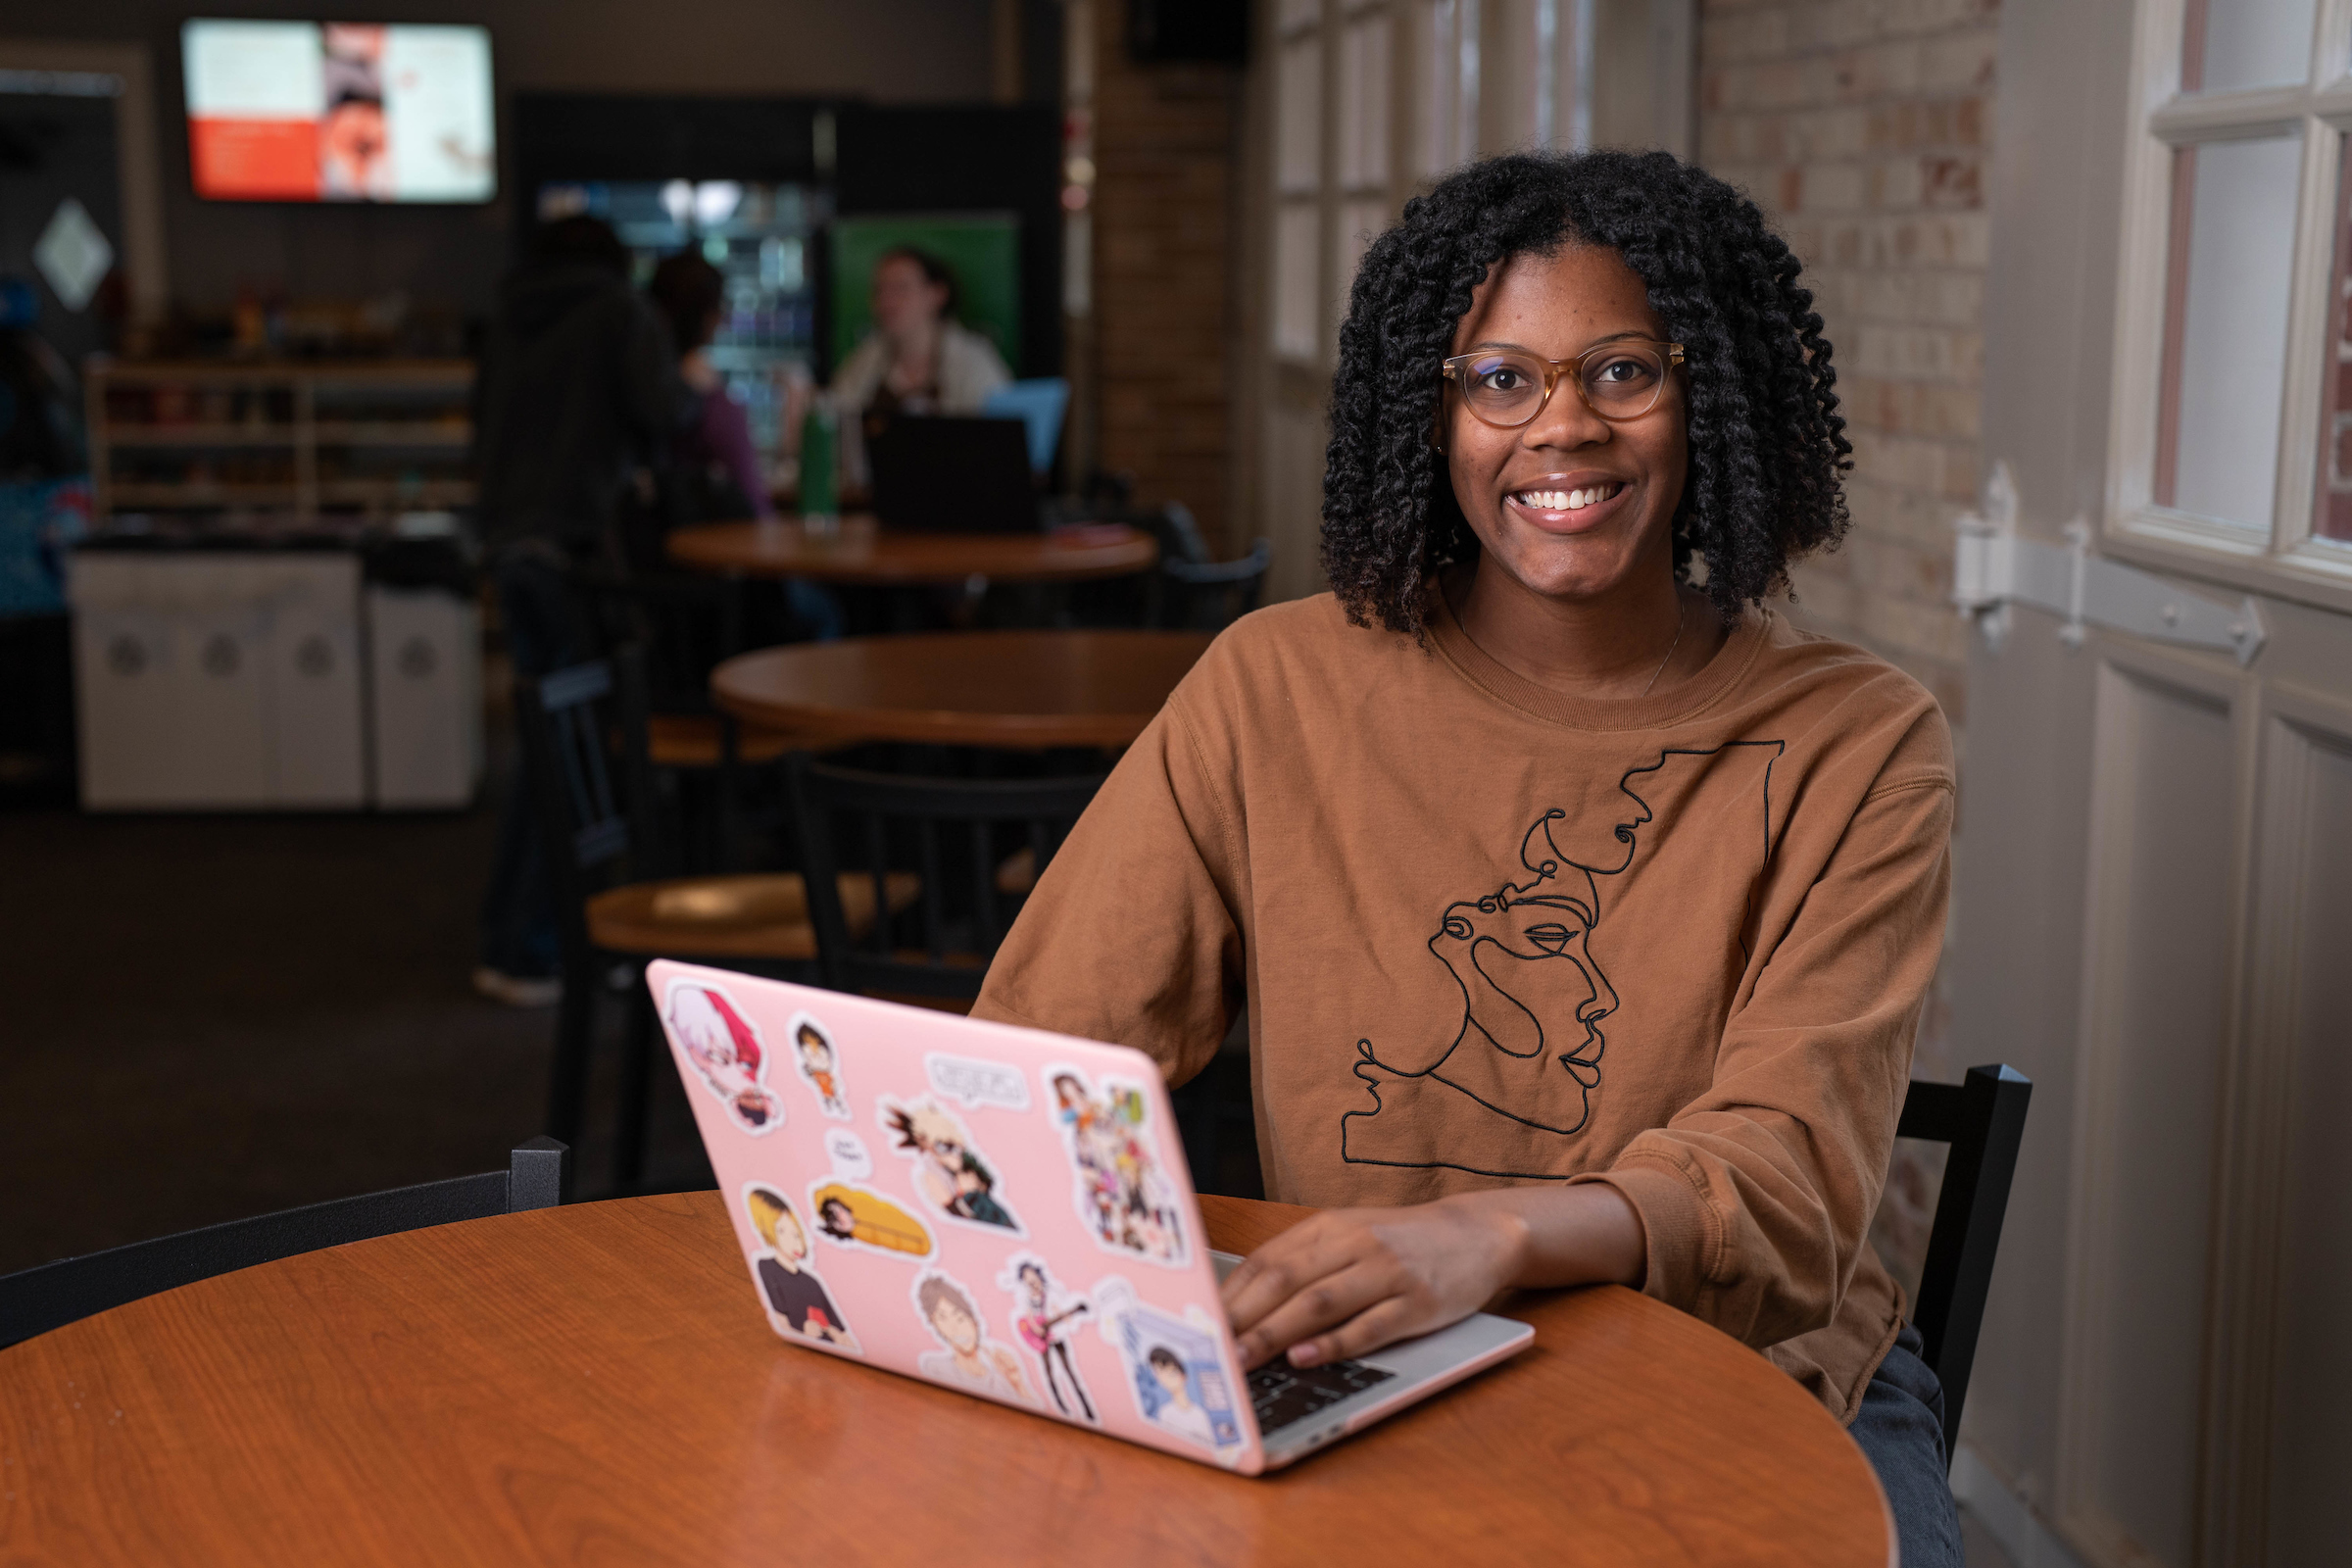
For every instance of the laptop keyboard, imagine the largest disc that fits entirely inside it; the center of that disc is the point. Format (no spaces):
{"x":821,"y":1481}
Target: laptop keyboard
{"x":1282,"y":1393}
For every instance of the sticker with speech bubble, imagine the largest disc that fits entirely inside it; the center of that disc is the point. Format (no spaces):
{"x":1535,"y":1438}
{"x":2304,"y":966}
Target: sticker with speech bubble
{"x":977,"y":1083}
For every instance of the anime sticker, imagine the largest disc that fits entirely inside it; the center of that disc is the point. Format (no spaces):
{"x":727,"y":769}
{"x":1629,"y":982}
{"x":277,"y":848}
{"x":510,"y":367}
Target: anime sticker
{"x":795,"y":1295}
{"x":1123,"y":1196}
{"x":850,"y":1215}
{"x":819,"y":1064}
{"x":949,"y":1171}
{"x":967,"y":1357}
{"x":1044,"y":1319}
{"x":726,"y":1053}
{"x":1175,"y":1369}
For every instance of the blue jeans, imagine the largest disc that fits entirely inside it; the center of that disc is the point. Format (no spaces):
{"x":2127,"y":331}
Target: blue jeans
{"x":544,"y":634}
{"x":1900,"y":1431}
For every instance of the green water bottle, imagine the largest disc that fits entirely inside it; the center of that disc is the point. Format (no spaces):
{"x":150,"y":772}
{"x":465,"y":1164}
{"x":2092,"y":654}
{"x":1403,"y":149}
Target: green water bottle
{"x":820,"y":461}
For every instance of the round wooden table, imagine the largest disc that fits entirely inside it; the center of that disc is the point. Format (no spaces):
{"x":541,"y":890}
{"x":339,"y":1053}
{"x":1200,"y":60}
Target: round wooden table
{"x":598,"y":1384}
{"x":862,"y":554}
{"x":964,"y":688}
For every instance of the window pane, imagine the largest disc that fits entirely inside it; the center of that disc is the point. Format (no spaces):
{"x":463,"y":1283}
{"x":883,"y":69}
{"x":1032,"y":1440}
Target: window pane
{"x":2332,"y":505}
{"x":1364,"y":104}
{"x":1295,"y":294}
{"x":1432,"y":45}
{"x":2233,"y":44}
{"x":2225,"y":362}
{"x":1298,"y":118}
{"x":1360,"y":223}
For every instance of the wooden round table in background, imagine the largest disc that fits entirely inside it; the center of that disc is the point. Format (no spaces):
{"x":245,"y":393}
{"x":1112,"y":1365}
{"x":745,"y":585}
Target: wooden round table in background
{"x":864,"y":555}
{"x":964,"y":688}
{"x":598,"y":1384}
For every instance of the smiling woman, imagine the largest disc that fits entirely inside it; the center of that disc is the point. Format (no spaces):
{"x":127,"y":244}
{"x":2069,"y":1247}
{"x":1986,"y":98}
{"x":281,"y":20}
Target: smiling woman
{"x":1583,"y":916}
{"x":1651,"y":249}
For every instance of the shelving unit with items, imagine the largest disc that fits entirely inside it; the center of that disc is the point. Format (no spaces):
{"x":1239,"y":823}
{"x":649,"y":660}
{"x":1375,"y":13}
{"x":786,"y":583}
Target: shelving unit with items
{"x":302,"y":442}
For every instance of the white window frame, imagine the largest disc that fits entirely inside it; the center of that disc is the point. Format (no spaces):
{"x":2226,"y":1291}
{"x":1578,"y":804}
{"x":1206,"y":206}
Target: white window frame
{"x":2289,"y":560}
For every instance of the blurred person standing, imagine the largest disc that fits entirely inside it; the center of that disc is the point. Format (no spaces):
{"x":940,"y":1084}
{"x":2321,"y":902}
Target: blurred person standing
{"x":577,"y":395}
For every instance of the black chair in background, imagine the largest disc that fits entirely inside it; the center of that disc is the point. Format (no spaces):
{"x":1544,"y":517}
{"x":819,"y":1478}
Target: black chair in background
{"x":1136,"y":600}
{"x":1984,"y":1120}
{"x":974,"y":846}
{"x":683,"y":625}
{"x":614,"y":909}
{"x":1211,"y":595}
{"x":36,"y":1300}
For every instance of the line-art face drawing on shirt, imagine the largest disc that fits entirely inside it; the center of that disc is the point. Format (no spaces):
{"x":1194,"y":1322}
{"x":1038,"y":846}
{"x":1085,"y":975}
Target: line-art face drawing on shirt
{"x":1535,"y":996}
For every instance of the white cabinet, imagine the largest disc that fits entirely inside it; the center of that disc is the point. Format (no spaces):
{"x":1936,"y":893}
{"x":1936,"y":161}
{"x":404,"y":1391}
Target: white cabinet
{"x":425,"y":680}
{"x":216,"y":679}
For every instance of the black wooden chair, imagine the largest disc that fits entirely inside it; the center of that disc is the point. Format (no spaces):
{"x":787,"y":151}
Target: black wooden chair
{"x":1984,"y":1119}
{"x":614,"y":909}
{"x":1210,"y":595}
{"x":681,"y":627}
{"x":51,"y":1296}
{"x":974,"y":846}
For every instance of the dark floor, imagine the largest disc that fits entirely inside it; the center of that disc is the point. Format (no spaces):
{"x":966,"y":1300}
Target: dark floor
{"x":205,"y":1017}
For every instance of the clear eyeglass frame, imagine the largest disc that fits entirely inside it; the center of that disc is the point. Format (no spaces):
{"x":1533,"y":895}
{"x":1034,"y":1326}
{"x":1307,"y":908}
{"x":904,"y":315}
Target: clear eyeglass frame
{"x":1663,"y":356}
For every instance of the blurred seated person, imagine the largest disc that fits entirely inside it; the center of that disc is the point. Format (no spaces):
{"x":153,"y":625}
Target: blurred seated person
{"x":918,"y":359}
{"x":715,"y":475}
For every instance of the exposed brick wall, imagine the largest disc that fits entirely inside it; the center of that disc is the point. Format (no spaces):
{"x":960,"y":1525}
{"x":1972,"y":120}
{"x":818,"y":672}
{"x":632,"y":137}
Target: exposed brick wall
{"x":1166,"y":156}
{"x":1864,"y":129}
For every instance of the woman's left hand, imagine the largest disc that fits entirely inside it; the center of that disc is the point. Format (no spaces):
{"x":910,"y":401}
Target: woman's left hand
{"x":1350,"y":1280}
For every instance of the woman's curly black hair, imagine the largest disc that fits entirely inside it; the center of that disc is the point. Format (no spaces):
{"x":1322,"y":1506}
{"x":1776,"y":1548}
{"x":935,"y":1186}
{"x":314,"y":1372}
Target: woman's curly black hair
{"x":1767,"y":443}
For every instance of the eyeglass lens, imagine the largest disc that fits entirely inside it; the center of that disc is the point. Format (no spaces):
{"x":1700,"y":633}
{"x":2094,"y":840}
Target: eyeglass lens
{"x":1621,"y":382}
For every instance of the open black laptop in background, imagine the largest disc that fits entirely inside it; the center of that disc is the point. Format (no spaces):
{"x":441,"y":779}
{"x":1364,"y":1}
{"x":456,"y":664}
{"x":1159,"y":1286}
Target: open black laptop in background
{"x":941,"y":474}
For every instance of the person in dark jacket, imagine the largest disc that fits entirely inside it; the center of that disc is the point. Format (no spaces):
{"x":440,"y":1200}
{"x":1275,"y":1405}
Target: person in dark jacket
{"x":577,"y":394}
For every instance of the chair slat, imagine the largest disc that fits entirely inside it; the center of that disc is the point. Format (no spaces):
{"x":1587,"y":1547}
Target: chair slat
{"x":1984,"y":1119}
{"x":959,"y":904}
{"x":935,"y":940}
{"x":877,"y":865}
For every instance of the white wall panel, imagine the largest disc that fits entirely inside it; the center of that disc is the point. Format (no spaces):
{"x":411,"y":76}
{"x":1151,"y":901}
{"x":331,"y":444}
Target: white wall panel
{"x":2157,"y":1025}
{"x":2311,"y":1432}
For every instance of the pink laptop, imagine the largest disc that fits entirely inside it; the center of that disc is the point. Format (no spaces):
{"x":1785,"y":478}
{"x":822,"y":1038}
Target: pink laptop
{"x":1005,"y":1212}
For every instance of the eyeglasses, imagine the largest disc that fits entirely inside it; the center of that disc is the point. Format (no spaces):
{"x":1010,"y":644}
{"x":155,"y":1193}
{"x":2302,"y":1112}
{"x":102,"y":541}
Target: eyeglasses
{"x":1617,"y":380}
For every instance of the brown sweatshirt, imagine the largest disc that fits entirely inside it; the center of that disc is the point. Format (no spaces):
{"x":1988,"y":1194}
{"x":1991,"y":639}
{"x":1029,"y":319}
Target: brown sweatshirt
{"x":1491,"y":935}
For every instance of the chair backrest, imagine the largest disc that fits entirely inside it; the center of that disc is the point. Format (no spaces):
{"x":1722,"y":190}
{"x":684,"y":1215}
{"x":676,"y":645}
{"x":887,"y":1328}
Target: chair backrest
{"x":591,"y":802}
{"x":685,"y":623}
{"x":1209,"y":596}
{"x":976,"y":847}
{"x":1984,"y":1119}
{"x":36,"y":1300}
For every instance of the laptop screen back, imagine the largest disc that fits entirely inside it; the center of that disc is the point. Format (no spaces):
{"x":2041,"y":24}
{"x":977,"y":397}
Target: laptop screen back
{"x":942,"y":475}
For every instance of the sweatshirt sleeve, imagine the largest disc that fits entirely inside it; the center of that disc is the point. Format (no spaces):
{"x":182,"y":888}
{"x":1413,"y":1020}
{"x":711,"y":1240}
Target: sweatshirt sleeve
{"x":1130,"y":936}
{"x":1756,"y":1198}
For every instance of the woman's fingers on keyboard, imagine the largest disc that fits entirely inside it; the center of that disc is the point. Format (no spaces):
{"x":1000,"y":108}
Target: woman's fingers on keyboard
{"x":1321,"y":1305}
{"x":1296,"y":1260}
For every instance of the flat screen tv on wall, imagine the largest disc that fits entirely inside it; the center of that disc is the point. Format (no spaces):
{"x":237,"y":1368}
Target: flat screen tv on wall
{"x":339,"y":112}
